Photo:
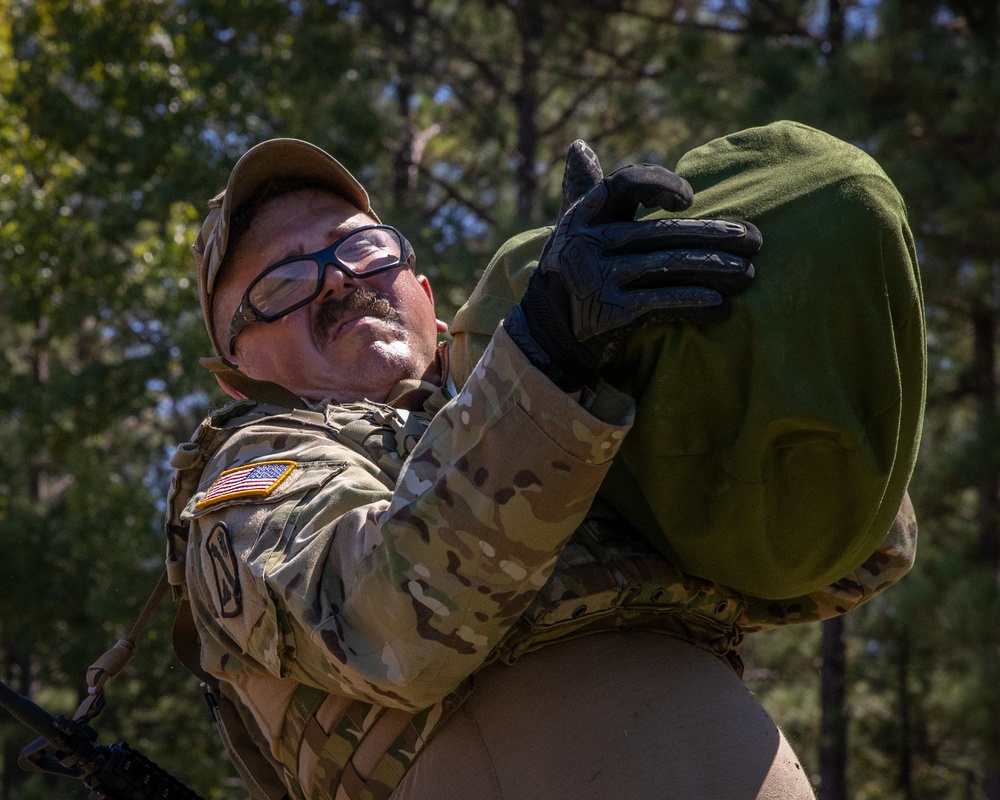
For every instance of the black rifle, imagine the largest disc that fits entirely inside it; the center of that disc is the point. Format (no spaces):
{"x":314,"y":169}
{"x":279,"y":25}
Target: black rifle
{"x":68,"y":747}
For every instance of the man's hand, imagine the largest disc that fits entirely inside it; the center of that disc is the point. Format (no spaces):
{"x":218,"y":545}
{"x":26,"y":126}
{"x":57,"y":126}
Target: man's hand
{"x":603,"y":275}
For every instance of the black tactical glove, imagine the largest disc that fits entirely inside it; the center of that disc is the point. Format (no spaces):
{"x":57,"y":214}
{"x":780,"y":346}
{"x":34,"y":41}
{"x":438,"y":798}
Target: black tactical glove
{"x":603,"y":275}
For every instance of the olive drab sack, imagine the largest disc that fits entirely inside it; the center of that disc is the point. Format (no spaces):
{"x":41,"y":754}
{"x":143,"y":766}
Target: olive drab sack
{"x":770,"y":452}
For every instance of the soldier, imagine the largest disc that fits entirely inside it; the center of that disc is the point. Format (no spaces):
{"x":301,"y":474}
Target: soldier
{"x":381,"y":565}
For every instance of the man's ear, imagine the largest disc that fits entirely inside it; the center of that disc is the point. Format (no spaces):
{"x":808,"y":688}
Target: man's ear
{"x":229,"y":389}
{"x":442,"y":326}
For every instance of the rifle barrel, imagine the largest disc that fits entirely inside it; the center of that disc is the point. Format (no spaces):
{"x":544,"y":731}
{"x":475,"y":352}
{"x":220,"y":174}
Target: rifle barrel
{"x":27,"y":712}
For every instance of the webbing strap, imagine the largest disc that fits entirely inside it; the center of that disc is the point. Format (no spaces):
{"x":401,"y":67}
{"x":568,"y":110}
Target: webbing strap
{"x":185,"y":643}
{"x":355,"y":434}
{"x":393,"y":739}
{"x":332,"y":750}
{"x":261,"y":780}
{"x":299,"y":717}
{"x":115,"y":659}
{"x":261,"y":391}
{"x":392,"y":766}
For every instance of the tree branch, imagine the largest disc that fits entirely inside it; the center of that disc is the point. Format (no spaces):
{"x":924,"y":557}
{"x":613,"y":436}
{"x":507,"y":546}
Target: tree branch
{"x":454,"y":194}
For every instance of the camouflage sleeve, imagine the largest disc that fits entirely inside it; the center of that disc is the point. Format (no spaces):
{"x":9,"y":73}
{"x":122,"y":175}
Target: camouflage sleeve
{"x":397,"y":596}
{"x":890,"y":562}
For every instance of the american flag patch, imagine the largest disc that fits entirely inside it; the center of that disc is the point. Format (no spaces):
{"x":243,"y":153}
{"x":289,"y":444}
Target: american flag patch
{"x":252,"y":480}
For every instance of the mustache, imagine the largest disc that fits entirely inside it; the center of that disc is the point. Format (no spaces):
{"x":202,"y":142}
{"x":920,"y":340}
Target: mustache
{"x":335,"y":311}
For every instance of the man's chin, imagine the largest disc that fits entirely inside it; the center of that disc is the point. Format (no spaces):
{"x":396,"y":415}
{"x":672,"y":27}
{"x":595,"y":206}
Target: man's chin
{"x":370,"y":372}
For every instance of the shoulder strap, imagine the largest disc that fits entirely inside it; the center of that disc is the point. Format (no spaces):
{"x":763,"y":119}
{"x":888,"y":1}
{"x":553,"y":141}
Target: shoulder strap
{"x":259,"y":775}
{"x":263,"y":391}
{"x":386,"y":436}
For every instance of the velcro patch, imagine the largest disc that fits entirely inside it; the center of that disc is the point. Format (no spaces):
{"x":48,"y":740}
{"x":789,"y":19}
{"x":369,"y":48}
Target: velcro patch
{"x":251,"y":480}
{"x":227,"y":574}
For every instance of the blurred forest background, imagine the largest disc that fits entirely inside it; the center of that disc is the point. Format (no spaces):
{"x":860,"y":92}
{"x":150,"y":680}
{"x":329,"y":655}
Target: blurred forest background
{"x":120,"y":118}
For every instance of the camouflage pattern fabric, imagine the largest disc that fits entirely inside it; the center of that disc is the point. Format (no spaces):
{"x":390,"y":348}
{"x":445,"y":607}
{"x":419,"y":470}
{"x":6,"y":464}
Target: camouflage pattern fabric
{"x":309,"y":564}
{"x":382,"y":555}
{"x":325,"y":751}
{"x":609,"y":577}
{"x":335,"y":564}
{"x":890,"y":562}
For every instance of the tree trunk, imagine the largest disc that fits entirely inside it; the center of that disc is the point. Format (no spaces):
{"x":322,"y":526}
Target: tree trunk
{"x":835,"y":27}
{"x":991,"y":783}
{"x":404,"y":170}
{"x":399,"y":24}
{"x":529,"y":26}
{"x":984,"y":326}
{"x":904,"y":779}
{"x":833,"y":722}
{"x":18,"y":677}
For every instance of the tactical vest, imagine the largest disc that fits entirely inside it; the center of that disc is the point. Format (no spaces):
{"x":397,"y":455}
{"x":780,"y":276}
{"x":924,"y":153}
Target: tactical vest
{"x":606,"y":578}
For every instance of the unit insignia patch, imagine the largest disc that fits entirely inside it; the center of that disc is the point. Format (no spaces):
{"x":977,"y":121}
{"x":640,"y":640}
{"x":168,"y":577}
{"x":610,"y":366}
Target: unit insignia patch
{"x":227,"y":575}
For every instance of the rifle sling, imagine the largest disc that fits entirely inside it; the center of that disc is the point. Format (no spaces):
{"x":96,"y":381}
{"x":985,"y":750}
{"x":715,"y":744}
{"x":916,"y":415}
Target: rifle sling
{"x":115,"y":659}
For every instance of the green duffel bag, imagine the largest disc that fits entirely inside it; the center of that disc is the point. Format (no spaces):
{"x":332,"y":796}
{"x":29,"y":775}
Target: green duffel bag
{"x":771,"y":452}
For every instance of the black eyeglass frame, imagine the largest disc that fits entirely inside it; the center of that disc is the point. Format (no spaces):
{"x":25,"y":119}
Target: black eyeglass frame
{"x":247,"y":314}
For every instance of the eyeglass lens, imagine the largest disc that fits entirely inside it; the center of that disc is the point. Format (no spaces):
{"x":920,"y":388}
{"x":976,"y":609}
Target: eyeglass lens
{"x":298,"y":281}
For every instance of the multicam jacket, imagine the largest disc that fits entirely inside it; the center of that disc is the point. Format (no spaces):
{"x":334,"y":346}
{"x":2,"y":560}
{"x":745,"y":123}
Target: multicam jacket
{"x":353,"y":566}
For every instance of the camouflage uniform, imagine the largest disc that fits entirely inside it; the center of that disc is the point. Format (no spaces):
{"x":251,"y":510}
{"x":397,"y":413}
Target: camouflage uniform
{"x":332,"y":571}
{"x":362,"y":562}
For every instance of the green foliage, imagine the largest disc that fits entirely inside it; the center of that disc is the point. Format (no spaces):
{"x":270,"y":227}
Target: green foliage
{"x":118,"y":120}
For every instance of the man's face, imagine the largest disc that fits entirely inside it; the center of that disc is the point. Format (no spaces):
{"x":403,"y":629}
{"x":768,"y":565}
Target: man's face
{"x":358,"y":338}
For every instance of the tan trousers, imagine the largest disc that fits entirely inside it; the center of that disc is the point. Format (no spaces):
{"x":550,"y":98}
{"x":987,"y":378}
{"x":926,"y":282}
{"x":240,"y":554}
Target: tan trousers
{"x":636,"y":716}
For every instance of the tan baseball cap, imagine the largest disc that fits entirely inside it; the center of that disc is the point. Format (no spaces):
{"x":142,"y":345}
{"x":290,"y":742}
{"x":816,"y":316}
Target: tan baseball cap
{"x":267,"y":161}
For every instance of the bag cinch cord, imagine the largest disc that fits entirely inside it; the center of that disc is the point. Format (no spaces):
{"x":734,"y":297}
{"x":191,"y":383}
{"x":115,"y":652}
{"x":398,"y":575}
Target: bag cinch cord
{"x":115,"y":659}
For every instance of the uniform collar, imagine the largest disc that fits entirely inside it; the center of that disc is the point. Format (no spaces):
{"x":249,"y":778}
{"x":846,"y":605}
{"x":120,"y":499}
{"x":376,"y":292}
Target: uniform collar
{"x":413,"y":393}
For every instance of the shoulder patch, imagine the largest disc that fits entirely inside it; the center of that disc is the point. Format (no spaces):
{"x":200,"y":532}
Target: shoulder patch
{"x":251,"y":480}
{"x":227,"y":575}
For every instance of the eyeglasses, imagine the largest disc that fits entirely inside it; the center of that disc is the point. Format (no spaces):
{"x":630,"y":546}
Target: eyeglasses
{"x":294,"y":282}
